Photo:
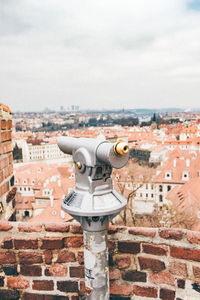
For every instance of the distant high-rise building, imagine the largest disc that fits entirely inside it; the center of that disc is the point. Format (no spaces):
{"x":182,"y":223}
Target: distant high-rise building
{"x":7,"y":192}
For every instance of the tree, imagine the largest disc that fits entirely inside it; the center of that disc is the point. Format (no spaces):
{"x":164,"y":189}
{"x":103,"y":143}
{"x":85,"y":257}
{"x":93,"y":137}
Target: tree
{"x":17,"y":153}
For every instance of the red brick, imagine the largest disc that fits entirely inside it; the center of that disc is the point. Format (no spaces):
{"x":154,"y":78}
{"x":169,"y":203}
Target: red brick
{"x":67,"y":286}
{"x":193,"y":237}
{"x":51,"y":243}
{"x":43,"y":285}
{"x":65,"y":256}
{"x":26,"y":243}
{"x":7,"y":258}
{"x":80,"y":257}
{"x":6,"y":294}
{"x":7,"y":243}
{"x":30,"y":270}
{"x":78,"y":272}
{"x":76,"y":228}
{"x":30,"y":258}
{"x":149,"y":292}
{"x":111,"y":245}
{"x":10,"y":270}
{"x":18,"y":283}
{"x":181,"y":283}
{"x":128,"y":247}
{"x":152,"y":264}
{"x":74,"y":242}
{"x":57,"y":227}
{"x":31,"y":296}
{"x":178,"y":268}
{"x":117,"y":288}
{"x":10,"y":158}
{"x":155,"y":249}
{"x":56,"y":270}
{"x":151,"y":232}
{"x":28,"y":227}
{"x":185,"y":253}
{"x":122,"y":261}
{"x":161,"y":278}
{"x":196,"y":271}
{"x":112,"y":229}
{"x":134,"y":275}
{"x":114,"y":274}
{"x":166,"y":294}
{"x":170,"y":233}
{"x":48,"y":256}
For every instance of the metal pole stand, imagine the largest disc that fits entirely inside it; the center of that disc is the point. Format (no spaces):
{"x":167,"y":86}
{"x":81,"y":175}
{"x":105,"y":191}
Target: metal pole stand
{"x":94,"y":202}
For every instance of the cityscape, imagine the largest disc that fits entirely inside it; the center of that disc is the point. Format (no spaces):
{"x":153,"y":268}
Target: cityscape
{"x":100,"y":150}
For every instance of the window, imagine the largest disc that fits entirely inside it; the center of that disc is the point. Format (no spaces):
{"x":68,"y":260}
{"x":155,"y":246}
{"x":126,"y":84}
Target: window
{"x":141,"y":195}
{"x":160,"y":198}
{"x":168,"y":188}
{"x":26,"y":213}
{"x":160,"y":188}
{"x":146,"y":195}
{"x":151,"y":195}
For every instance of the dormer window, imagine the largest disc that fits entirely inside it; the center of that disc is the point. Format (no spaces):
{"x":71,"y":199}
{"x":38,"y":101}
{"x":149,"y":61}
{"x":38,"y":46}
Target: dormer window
{"x":32,"y":181}
{"x":16,"y":181}
{"x":168,"y":175}
{"x":24,"y":181}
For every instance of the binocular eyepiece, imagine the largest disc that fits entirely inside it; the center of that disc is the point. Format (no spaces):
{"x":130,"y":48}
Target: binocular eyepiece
{"x":93,"y":152}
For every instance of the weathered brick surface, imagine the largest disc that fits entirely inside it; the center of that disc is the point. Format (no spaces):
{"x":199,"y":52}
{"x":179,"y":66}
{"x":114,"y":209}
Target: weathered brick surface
{"x":17,"y":282}
{"x":7,"y":258}
{"x":26,"y":243}
{"x":30,"y":257}
{"x":46,"y":262}
{"x":51,"y":243}
{"x":56,"y":270}
{"x":161,"y":278}
{"x":122,"y":261}
{"x":117,"y":288}
{"x":31,"y":270}
{"x":76,"y":228}
{"x":43,"y":285}
{"x":78,"y":272}
{"x":155,"y":249}
{"x":151,"y":232}
{"x":166,"y":294}
{"x":67,"y":286}
{"x":57,"y":227}
{"x":134,"y":275}
{"x":7,"y":243}
{"x":185,"y":253}
{"x":128,"y":247}
{"x":7,"y":294}
{"x":5,"y":226}
{"x":151,"y":264}
{"x":28,"y":227}
{"x":65,"y":256}
{"x":150,"y":292}
{"x":178,"y":268}
{"x":74,"y":242}
{"x":170,"y":233}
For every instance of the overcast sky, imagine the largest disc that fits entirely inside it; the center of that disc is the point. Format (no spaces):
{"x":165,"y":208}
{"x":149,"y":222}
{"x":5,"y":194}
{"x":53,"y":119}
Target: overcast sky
{"x":99,"y":54}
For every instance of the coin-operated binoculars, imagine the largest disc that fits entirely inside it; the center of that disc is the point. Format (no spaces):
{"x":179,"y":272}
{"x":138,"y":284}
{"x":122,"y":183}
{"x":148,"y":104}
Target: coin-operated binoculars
{"x":94,"y":202}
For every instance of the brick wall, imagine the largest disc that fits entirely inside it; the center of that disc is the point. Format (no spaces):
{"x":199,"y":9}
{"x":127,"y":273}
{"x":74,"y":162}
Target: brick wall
{"x":6,"y":162}
{"x":45,"y":262}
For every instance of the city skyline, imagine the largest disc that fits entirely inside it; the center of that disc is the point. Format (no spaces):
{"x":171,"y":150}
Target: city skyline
{"x":99,"y":55}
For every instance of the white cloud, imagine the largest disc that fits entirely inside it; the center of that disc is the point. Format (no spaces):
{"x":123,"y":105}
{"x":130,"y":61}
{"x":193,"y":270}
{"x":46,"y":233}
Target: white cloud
{"x":108,"y":53}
